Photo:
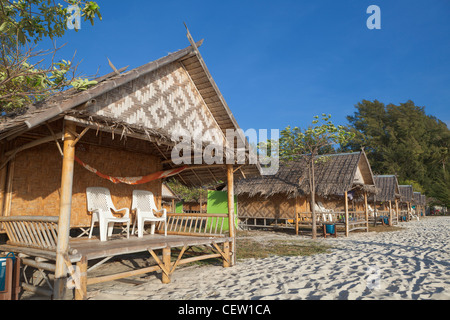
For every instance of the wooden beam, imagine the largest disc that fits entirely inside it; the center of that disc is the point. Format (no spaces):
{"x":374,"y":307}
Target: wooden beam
{"x":167,"y":265}
{"x":81,"y":291}
{"x":12,"y":153}
{"x":163,"y":265}
{"x":231,"y":215}
{"x":65,"y":206}
{"x":54,"y":137}
{"x":346,"y":213}
{"x":9,"y":189}
{"x":366,"y":210}
{"x":297,"y":210}
{"x":226,"y":252}
{"x":390,"y":213}
{"x":80,"y":136}
{"x":396,"y":208}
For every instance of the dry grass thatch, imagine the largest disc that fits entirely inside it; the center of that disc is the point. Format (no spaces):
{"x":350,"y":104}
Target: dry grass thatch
{"x":406,"y":192}
{"x":387,"y":186}
{"x":334,"y":175}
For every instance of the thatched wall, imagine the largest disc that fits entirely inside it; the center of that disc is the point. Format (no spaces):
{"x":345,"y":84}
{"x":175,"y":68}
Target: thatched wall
{"x":275,"y":207}
{"x":280,"y":206}
{"x":37,"y":179}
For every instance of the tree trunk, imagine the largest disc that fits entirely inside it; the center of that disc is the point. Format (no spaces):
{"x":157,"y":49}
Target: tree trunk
{"x":313,"y":198}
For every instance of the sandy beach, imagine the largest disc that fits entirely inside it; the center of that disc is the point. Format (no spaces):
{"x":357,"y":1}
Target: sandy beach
{"x":412,"y":263}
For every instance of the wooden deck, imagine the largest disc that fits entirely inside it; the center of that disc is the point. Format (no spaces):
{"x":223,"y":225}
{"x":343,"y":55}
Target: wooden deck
{"x":85,"y":253}
{"x":94,"y":248}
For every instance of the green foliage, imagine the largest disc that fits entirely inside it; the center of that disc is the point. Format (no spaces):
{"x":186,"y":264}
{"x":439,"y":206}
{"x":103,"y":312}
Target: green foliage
{"x":319,"y":138}
{"x":186,"y":193}
{"x":304,"y":145}
{"x":33,"y":20}
{"x":82,"y":84}
{"x":403,"y":140}
{"x":23,"y":82}
{"x":440,"y":190}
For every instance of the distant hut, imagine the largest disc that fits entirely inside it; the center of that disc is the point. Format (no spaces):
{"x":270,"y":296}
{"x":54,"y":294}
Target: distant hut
{"x":424,"y":204}
{"x":168,"y":198}
{"x":386,"y":199}
{"x":407,"y":197}
{"x":282,"y":198}
{"x":419,"y":204}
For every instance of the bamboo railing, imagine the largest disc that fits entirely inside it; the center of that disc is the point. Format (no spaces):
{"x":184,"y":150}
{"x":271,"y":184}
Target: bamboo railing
{"x":32,"y":231}
{"x":195,"y":224}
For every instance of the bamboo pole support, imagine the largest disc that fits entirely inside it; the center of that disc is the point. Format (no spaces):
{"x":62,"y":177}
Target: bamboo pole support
{"x":226,"y":251}
{"x":165,"y":278}
{"x":297,"y":207}
{"x":230,"y":188}
{"x":81,"y":292}
{"x":62,"y":246}
{"x":346,"y":213}
{"x":366,"y":211}
{"x":390,"y":213}
{"x":396,"y":209}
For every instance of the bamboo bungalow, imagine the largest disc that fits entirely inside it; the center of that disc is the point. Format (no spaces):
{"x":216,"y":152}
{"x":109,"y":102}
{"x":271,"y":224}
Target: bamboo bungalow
{"x":424,"y":204}
{"x":284,"y":197}
{"x":124,"y":126}
{"x":386,"y":199}
{"x":168,"y":198}
{"x":407,"y":197}
{"x":419,"y":204}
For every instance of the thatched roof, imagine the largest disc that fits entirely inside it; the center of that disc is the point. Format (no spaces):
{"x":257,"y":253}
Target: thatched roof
{"x":168,"y":193}
{"x":423,"y":199}
{"x":387,"y":186}
{"x":173,"y":94}
{"x":406,"y":192}
{"x":418,"y":198}
{"x":334,"y":174}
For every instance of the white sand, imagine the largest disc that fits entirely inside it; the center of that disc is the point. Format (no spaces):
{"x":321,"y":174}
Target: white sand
{"x":413,"y":263}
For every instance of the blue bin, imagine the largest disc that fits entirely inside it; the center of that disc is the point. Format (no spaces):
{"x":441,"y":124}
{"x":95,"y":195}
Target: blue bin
{"x":330,"y":228}
{"x":3,"y":269}
{"x":386,"y":221}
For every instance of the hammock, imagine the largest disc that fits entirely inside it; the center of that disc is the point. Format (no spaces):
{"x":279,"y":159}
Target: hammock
{"x":133,"y":180}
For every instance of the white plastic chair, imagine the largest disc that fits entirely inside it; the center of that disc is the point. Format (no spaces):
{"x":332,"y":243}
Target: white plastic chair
{"x":144,"y":205}
{"x":100,"y":204}
{"x":322,"y":207}
{"x":370,"y":210}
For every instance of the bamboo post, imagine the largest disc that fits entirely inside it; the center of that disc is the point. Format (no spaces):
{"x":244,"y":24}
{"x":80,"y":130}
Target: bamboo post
{"x":346,"y":214}
{"x":366,"y":211}
{"x":166,"y":261}
{"x":396,"y":209}
{"x":390,"y":213}
{"x":408,"y":206}
{"x":230,"y":188}
{"x":65,"y":205}
{"x":9,"y":188}
{"x":297,"y":206}
{"x":226,"y":251}
{"x":81,"y":292}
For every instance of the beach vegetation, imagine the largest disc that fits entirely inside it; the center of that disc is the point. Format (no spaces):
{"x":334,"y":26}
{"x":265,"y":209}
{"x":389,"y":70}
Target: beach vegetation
{"x":28,"y":73}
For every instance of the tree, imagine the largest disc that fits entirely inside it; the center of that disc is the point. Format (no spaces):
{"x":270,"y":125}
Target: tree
{"x":24,"y":79}
{"x":403,"y":140}
{"x":306,"y":145}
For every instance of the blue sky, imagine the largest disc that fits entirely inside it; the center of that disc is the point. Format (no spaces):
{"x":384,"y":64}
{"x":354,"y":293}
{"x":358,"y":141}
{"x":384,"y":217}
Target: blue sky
{"x":280,"y":63}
